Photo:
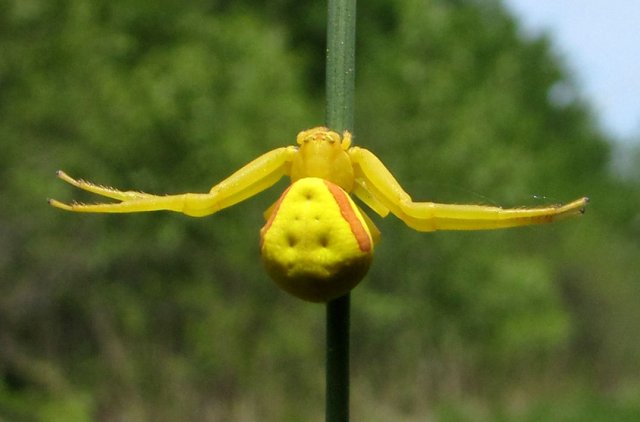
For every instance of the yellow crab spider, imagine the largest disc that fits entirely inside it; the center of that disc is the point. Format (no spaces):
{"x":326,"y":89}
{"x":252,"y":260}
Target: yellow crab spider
{"x":317,"y":244}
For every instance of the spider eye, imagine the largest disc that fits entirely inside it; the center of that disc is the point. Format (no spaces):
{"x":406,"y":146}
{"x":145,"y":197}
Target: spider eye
{"x":332,"y":137}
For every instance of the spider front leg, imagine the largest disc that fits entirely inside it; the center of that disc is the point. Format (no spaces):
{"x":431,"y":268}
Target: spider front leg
{"x":132,"y":201}
{"x":372,"y":176}
{"x":251,"y":179}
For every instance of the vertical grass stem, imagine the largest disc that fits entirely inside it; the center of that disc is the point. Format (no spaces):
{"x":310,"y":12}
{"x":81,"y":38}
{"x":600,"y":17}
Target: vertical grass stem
{"x":340,"y":74}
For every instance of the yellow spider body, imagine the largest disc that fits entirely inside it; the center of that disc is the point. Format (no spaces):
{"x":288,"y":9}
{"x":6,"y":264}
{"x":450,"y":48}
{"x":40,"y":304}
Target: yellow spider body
{"x":316,"y":245}
{"x":325,"y":164}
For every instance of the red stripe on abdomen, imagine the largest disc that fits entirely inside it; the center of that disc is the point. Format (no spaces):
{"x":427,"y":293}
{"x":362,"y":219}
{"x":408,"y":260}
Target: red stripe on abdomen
{"x":349,"y":214}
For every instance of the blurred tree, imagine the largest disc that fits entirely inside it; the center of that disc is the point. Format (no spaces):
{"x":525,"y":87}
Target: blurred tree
{"x":163,"y":317}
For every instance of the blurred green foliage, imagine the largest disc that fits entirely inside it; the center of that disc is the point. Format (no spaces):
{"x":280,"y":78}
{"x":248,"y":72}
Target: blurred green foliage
{"x":162,"y":317}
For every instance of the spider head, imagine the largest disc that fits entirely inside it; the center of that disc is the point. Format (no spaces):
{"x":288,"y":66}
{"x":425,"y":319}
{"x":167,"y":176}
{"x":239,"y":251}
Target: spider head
{"x":323,"y":153}
{"x":322,"y":134}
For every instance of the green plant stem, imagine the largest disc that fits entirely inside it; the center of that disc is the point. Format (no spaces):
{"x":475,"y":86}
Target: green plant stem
{"x":341,"y":28}
{"x":337,"y":370}
{"x":341,"y":33}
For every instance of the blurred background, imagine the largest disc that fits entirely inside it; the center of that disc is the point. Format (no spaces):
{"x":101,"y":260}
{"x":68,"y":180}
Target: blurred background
{"x":163,"y":317}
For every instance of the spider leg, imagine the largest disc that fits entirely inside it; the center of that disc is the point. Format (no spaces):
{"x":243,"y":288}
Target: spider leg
{"x":132,"y":201}
{"x":361,"y":190}
{"x":192,"y":204}
{"x":251,"y":179}
{"x":429,"y":216}
{"x":101,"y":190}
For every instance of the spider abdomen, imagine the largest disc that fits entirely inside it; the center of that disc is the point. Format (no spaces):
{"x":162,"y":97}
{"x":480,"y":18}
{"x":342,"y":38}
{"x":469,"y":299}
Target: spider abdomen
{"x":316,"y":244}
